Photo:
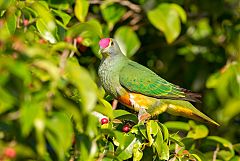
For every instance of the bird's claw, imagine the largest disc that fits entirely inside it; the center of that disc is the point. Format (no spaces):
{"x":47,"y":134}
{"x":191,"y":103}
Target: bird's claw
{"x":143,"y":115}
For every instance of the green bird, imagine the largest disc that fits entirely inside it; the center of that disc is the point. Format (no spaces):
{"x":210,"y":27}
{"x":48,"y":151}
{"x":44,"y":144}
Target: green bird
{"x":140,"y":89}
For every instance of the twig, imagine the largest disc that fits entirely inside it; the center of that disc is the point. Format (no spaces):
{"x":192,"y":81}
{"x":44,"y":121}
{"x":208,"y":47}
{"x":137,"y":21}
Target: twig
{"x":127,"y":15}
{"x":75,"y":45}
{"x":215,"y":153}
{"x":63,"y":60}
{"x":130,"y":5}
{"x":126,"y":3}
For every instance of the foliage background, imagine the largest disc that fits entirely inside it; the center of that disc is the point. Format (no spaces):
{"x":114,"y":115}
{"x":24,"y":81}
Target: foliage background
{"x":51,"y":101}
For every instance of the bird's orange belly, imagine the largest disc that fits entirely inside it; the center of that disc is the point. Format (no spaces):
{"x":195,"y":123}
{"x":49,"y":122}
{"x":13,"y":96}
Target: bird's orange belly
{"x":136,"y":100}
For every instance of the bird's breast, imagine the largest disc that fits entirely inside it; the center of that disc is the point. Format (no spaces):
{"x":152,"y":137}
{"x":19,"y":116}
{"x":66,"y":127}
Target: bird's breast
{"x":109,"y":76}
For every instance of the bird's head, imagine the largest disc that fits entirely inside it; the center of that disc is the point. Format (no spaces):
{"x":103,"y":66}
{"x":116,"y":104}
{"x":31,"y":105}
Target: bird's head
{"x":109,"y":47}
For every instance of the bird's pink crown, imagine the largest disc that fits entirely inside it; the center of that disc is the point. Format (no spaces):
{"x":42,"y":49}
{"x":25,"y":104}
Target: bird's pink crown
{"x":103,"y":43}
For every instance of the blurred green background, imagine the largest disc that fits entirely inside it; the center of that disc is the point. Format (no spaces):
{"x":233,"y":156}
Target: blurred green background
{"x":51,"y":101}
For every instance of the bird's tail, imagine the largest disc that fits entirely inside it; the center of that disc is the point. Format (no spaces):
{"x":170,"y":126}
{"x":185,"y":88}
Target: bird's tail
{"x":186,"y":109}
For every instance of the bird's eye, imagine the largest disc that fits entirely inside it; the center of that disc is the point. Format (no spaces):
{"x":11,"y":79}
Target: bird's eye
{"x":111,"y":43}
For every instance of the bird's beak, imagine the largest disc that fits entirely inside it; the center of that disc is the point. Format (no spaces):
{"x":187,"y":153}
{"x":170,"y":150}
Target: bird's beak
{"x":104,"y":52}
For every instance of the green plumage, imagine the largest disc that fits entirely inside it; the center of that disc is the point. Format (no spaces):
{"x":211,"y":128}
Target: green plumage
{"x":140,"y":79}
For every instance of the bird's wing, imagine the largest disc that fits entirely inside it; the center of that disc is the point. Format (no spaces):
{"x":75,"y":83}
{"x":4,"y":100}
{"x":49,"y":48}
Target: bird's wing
{"x":139,"y":79}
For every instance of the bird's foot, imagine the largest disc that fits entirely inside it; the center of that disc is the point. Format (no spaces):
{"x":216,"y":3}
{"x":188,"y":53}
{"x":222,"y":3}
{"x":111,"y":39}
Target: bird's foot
{"x":143,"y":115}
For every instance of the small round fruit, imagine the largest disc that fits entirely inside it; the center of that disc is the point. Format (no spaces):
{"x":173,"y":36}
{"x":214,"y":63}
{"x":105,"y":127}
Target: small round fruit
{"x":79,"y":39}
{"x":42,"y":41}
{"x":10,"y":152}
{"x":25,"y":22}
{"x":68,"y":39}
{"x":126,"y":128}
{"x":104,"y":121}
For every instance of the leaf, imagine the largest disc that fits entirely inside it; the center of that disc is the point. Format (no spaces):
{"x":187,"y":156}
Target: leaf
{"x":127,"y":40}
{"x":90,"y":29}
{"x":118,"y":113}
{"x":137,"y":152}
{"x":112,"y":13}
{"x":60,"y":46}
{"x":197,"y":131}
{"x":164,"y":132}
{"x":166,"y":17}
{"x":79,"y":77}
{"x":105,"y":109}
{"x":45,"y":22}
{"x":177,"y":125}
{"x":59,"y":133}
{"x":176,"y":140}
{"x":223,"y":142}
{"x":230,"y":110}
{"x":6,"y":100}
{"x":126,"y":144}
{"x":201,"y":31}
{"x":64,"y":16}
{"x":29,"y":112}
{"x":4,"y":4}
{"x":81,"y":9}
{"x":124,"y":115}
{"x":142,"y":129}
{"x":152,"y":131}
{"x":12,"y":23}
{"x":161,"y":146}
{"x":44,"y":31}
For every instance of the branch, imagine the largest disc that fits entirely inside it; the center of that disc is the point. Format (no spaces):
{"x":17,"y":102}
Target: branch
{"x":215,"y":153}
{"x":132,"y":6}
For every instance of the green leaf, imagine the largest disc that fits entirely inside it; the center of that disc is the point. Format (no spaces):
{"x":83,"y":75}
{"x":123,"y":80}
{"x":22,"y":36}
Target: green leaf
{"x":222,"y":141}
{"x":4,"y":4}
{"x":112,"y":13}
{"x":12,"y":23}
{"x":137,"y":152}
{"x":126,"y":144}
{"x":90,"y":29}
{"x":196,"y":157}
{"x":201,"y":30}
{"x":59,"y":133}
{"x":143,"y":130}
{"x":197,"y":131}
{"x":78,"y":76}
{"x":29,"y":112}
{"x":164,"y":132}
{"x":6,"y":100}
{"x":230,"y":110}
{"x":177,"y":125}
{"x":81,"y":9}
{"x":127,"y":40}
{"x":118,"y":113}
{"x":161,"y":146}
{"x":45,"y":22}
{"x":64,"y":16}
{"x":152,"y":131}
{"x":176,"y":140}
{"x":105,"y":108}
{"x":44,"y":30}
{"x":60,"y":46}
{"x":166,"y":17}
{"x":124,"y":115}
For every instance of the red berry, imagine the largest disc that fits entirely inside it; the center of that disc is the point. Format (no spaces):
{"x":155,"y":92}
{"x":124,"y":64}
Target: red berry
{"x":79,"y":39}
{"x":68,"y":39}
{"x":126,"y":128}
{"x":10,"y":152}
{"x":25,"y":22}
{"x":42,"y":41}
{"x":104,"y":121}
